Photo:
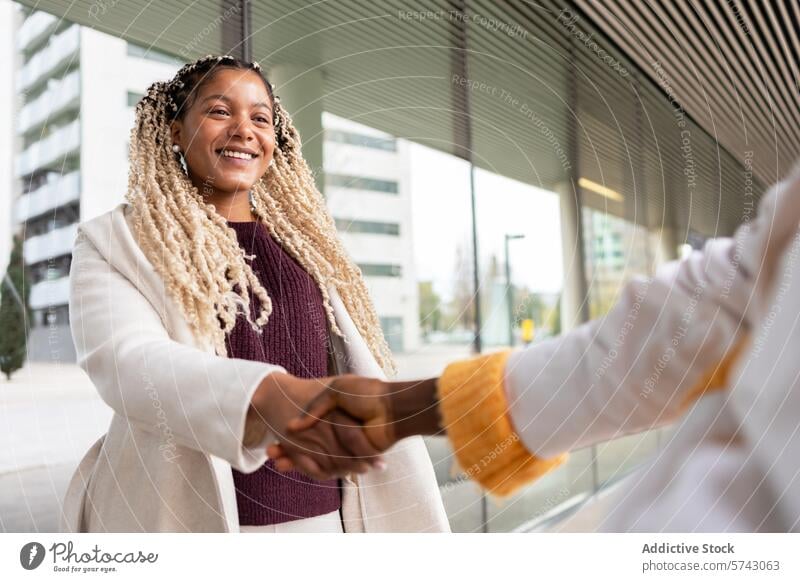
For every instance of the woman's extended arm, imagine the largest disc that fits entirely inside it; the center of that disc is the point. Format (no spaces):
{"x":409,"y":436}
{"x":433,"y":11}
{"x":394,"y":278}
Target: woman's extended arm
{"x":174,"y":390}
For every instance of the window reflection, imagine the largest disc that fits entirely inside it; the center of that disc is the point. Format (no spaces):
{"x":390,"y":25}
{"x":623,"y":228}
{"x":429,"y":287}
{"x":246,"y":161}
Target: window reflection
{"x":615,"y":250}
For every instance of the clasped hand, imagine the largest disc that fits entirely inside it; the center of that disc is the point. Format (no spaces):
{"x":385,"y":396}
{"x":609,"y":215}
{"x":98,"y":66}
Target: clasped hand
{"x":314,"y":435}
{"x":330,"y":427}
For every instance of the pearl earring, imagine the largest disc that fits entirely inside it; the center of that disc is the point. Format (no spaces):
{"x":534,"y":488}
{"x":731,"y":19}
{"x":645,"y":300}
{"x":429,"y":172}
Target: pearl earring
{"x":177,"y":149}
{"x":252,"y":202}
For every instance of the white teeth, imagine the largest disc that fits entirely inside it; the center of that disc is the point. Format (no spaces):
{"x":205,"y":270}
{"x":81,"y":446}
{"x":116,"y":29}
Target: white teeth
{"x":240,"y":155}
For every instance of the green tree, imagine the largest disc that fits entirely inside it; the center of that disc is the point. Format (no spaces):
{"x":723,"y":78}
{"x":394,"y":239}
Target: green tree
{"x":529,"y":305}
{"x":543,"y":309}
{"x":554,"y":317}
{"x":14,"y":313}
{"x":459,"y":313}
{"x":430,"y":312}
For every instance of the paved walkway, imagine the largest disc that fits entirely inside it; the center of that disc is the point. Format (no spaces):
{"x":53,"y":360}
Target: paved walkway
{"x":50,"y":414}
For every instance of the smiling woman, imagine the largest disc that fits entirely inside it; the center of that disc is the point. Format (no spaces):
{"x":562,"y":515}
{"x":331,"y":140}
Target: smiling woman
{"x":211,"y":109}
{"x":222,"y":286}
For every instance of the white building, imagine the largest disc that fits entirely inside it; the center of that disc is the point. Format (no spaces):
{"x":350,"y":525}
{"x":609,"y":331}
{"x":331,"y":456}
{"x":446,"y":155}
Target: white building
{"x":367,"y":185}
{"x":8,"y":98}
{"x":75,"y":86}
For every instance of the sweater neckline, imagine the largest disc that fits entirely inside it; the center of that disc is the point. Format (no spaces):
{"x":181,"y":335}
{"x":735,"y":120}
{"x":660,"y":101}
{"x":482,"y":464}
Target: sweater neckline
{"x":242,"y":222}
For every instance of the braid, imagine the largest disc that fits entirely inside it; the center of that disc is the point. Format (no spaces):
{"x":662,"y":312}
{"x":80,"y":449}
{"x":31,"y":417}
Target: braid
{"x":191,"y":246}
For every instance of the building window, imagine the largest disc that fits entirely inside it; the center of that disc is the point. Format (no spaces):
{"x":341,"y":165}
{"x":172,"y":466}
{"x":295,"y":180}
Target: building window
{"x":380,"y":270}
{"x":133,"y":98}
{"x":52,"y":220}
{"x":55,"y":315}
{"x":393,"y":332}
{"x":361,"y":183}
{"x":367,"y":227}
{"x":388,"y":144}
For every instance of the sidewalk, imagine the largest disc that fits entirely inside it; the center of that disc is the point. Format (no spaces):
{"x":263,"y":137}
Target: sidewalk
{"x":50,"y":414}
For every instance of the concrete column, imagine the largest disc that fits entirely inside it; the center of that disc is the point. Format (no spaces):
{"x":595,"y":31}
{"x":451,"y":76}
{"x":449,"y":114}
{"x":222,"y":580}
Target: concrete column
{"x":235,"y":20}
{"x":301,"y":91}
{"x":574,"y":307}
{"x":103,"y":186}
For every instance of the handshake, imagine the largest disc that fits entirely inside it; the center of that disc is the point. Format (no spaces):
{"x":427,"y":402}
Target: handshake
{"x":329,"y":427}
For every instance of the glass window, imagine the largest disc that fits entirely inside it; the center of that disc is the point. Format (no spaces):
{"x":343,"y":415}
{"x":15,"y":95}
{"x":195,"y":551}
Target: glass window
{"x":622,"y":250}
{"x":380,"y":270}
{"x":367,"y":227}
{"x":361,"y":183}
{"x":519,"y":238}
{"x":133,"y":98}
{"x":367,"y":141}
{"x":393,"y":331}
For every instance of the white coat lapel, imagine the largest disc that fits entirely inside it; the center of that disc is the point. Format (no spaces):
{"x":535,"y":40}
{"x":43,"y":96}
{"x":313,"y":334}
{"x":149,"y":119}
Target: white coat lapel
{"x":404,"y":496}
{"x":113,"y":237}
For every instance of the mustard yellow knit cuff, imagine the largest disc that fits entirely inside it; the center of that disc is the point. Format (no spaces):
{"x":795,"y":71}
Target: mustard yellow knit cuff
{"x":474,"y":412}
{"x":717,"y":376}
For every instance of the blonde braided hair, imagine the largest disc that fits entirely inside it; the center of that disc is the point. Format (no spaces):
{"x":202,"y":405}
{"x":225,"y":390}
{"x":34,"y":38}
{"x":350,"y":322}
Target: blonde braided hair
{"x":197,"y":254}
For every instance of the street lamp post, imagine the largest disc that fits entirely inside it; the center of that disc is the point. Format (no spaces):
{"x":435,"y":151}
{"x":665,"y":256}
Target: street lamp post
{"x":510,"y":237}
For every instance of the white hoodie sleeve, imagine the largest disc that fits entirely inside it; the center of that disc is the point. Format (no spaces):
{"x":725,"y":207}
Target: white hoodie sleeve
{"x":633,"y":369}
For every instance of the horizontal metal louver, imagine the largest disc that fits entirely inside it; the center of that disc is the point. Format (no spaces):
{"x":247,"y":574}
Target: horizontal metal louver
{"x":545,"y":106}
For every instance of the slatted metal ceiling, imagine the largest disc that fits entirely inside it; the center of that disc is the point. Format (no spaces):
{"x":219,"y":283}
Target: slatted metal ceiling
{"x":732,"y":65}
{"x":395,"y":74}
{"x":632,"y":141}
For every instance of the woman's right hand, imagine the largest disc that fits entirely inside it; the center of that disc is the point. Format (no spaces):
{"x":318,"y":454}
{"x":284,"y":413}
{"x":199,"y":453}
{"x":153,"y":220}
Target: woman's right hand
{"x":336,"y":448}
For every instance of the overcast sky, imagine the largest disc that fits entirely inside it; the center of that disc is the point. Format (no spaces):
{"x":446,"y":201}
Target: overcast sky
{"x":441,"y":220}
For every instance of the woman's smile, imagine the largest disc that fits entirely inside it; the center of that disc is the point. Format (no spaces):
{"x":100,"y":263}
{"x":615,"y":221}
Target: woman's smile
{"x":238,"y":157}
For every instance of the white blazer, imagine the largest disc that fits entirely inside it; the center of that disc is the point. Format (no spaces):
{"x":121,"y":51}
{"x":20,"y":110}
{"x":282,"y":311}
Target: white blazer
{"x":179,"y":410}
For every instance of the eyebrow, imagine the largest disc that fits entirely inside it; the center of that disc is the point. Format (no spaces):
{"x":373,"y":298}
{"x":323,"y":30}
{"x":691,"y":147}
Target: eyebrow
{"x":228,"y":100}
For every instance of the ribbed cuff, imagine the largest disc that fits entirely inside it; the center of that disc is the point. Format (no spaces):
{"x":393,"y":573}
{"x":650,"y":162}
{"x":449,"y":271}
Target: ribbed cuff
{"x":717,"y":376}
{"x":474,"y":412}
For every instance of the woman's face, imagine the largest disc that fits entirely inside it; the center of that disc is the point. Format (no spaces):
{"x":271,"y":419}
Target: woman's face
{"x":230,"y":116}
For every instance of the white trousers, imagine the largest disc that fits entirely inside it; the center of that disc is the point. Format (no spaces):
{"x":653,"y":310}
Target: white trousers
{"x":328,"y":523}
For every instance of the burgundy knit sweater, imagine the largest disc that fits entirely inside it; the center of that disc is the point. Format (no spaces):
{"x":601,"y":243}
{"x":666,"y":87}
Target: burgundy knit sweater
{"x":296,"y":338}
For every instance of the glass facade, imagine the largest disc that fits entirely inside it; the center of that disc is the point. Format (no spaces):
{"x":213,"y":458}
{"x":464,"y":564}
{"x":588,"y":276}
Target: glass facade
{"x":495,"y":170}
